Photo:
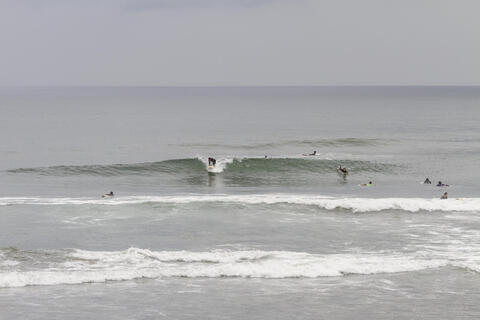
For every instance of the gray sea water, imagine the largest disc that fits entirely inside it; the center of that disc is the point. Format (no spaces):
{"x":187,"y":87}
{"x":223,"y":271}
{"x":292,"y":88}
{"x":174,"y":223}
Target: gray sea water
{"x":272,"y":233}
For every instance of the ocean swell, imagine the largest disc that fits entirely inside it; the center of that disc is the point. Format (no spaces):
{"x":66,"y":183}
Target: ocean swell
{"x":198,"y":166}
{"x":311,"y":143}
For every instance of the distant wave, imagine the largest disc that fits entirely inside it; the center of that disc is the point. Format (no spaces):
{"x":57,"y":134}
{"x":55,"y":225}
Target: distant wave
{"x":356,"y":205}
{"x":199,"y":165}
{"x":335,"y":142}
{"x":79,"y":266}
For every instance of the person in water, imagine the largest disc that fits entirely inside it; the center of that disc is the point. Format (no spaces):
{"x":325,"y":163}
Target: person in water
{"x":445,"y":196}
{"x":440,"y":184}
{"x":108,"y":194}
{"x":427,"y":181}
{"x":343,"y":170}
{"x":212,"y":162}
{"x":313,"y":154}
{"x":369,"y":184}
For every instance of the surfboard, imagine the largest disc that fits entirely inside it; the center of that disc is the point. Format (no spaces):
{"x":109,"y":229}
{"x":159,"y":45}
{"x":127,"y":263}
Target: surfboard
{"x":210,"y":169}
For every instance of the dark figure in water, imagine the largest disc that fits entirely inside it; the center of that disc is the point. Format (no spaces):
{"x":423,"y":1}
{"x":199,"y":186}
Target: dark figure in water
{"x":212,"y":162}
{"x":108,"y":194}
{"x":369,"y":184}
{"x":313,"y":154}
{"x":445,"y":196}
{"x":427,"y":181}
{"x":343,"y":170}
{"x":440,"y":184}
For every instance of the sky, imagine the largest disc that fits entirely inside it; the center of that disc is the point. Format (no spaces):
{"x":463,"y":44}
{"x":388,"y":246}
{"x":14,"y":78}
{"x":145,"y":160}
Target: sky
{"x":239,"y":42}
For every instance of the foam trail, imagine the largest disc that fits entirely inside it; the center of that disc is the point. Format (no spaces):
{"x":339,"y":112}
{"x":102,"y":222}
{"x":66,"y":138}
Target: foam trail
{"x":78,"y":266}
{"x":323,"y":202}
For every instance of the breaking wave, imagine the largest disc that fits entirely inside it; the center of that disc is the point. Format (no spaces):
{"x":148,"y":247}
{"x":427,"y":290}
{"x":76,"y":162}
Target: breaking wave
{"x":79,"y":266}
{"x":252,"y":166}
{"x":356,"y":205}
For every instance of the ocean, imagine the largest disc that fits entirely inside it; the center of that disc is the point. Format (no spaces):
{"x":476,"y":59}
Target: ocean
{"x":272,"y":233}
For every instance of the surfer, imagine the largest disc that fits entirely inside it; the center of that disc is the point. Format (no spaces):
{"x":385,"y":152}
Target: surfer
{"x":445,"y":196}
{"x":107,"y":195}
{"x":440,"y":184}
{"x":314,"y":153}
{"x":343,"y":171}
{"x":427,"y":181}
{"x":369,"y":184}
{"x":212,"y":162}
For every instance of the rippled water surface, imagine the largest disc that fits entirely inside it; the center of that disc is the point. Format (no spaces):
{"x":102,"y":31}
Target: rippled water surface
{"x":271,"y":232}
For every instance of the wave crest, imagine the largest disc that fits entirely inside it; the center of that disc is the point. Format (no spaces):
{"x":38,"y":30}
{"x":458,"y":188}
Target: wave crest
{"x":80,"y":266}
{"x":244,"y":166}
{"x":356,"y":205}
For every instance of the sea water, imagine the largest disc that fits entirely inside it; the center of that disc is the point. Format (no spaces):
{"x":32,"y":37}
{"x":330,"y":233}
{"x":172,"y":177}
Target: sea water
{"x":273,"y":233}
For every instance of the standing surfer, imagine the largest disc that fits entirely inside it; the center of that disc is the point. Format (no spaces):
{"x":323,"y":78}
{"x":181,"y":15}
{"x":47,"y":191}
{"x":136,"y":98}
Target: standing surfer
{"x":212,"y":162}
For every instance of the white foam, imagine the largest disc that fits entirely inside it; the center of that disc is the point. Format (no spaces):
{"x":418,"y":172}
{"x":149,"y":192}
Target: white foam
{"x":8,"y":263}
{"x":220,"y":165}
{"x":328,"y":203}
{"x":90,"y":266}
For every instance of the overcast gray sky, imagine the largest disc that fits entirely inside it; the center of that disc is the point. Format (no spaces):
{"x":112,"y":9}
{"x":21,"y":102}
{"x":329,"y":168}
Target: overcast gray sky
{"x":239,"y":42}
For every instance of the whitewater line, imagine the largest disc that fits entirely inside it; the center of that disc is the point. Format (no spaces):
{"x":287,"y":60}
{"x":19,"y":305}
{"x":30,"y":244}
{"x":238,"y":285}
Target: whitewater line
{"x":81,"y":266}
{"x":324,"y":202}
